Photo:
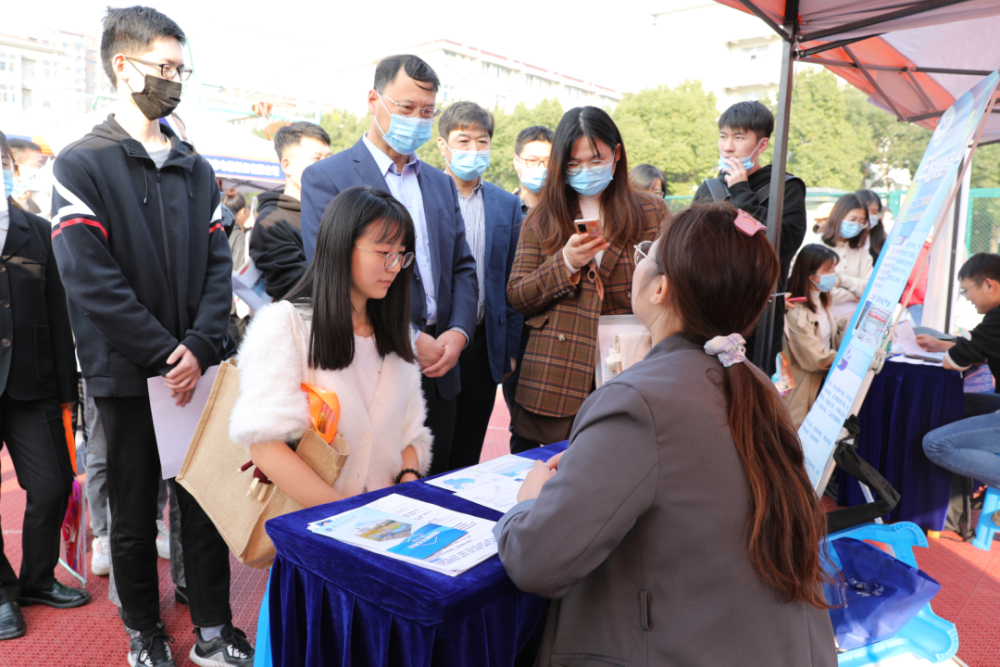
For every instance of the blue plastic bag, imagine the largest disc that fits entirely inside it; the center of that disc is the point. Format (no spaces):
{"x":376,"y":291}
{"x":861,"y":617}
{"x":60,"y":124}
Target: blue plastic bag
{"x":877,"y":596}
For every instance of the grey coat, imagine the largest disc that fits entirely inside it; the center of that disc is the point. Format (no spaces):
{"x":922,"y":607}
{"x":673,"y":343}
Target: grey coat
{"x":639,"y":539}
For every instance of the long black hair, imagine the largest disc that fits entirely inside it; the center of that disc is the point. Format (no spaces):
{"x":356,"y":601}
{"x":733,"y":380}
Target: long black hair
{"x":553,"y":216}
{"x":327,"y":281}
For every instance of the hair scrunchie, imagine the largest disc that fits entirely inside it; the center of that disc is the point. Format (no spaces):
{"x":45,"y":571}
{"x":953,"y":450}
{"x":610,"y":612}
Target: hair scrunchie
{"x":729,"y":349}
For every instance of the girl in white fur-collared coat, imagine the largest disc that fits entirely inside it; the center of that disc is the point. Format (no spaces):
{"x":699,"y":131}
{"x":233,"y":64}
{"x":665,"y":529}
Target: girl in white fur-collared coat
{"x":351,"y":316}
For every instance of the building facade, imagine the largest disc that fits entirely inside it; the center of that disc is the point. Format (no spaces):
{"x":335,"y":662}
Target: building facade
{"x":734,"y":54}
{"x":489,"y":79}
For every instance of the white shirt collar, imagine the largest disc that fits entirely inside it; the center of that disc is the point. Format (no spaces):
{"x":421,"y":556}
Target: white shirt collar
{"x":384,"y":162}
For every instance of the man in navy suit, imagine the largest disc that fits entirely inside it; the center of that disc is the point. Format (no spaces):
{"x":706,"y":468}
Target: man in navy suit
{"x":444,"y":293}
{"x":492,"y":225}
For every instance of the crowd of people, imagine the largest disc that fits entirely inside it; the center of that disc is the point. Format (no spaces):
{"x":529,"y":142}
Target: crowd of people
{"x":413,"y":293}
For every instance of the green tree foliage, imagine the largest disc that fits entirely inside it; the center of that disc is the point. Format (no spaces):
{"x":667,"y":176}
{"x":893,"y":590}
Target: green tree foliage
{"x":986,"y":167}
{"x":824,"y":148}
{"x":673,"y":129}
{"x":344,"y":128}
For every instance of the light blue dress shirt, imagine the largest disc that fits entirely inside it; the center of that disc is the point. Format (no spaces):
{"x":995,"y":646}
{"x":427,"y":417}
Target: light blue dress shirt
{"x":406,"y":188}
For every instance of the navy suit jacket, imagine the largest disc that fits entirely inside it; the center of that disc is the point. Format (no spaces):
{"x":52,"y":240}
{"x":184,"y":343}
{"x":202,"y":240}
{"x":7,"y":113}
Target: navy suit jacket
{"x":454,"y":269}
{"x":503,"y":323}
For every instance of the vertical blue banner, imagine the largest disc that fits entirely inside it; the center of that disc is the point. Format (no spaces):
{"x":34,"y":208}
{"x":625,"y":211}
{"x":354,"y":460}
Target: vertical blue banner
{"x":935,"y":177}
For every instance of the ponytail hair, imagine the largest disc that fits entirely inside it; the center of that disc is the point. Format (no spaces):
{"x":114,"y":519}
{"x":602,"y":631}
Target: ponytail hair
{"x":718,"y":282}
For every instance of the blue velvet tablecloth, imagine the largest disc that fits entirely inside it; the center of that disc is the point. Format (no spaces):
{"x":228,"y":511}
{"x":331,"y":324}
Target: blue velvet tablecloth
{"x":335,"y":604}
{"x":906,"y":401}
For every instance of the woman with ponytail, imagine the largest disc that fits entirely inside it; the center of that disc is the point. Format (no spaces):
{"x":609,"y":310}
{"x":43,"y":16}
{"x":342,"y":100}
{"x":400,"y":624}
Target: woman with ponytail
{"x":680,"y":527}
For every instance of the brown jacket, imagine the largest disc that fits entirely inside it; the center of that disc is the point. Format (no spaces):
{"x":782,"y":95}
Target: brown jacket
{"x":640,"y":538}
{"x":563,"y":310}
{"x":808,"y":359}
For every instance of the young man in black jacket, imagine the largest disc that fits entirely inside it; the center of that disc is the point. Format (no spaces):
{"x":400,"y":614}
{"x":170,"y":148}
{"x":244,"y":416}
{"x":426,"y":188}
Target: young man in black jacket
{"x":37,"y":374}
{"x":140,"y":246}
{"x":276,"y":239}
{"x":744,"y":134}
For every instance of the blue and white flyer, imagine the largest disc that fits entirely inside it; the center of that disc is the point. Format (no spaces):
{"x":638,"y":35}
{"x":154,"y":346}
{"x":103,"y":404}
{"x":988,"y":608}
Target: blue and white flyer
{"x":411,"y":530}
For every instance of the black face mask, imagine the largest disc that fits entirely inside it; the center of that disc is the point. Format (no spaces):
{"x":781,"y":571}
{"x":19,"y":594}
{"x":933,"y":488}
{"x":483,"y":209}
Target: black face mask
{"x":158,"y":98}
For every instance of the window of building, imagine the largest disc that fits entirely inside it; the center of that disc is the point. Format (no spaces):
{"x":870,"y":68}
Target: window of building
{"x":756,"y":53}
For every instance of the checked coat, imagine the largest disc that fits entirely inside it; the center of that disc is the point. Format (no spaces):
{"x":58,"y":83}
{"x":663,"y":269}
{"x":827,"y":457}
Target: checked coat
{"x":562,"y":312}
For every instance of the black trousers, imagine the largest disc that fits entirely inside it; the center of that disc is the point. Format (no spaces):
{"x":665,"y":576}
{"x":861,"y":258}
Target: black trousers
{"x":36,"y":439}
{"x":981,"y":404}
{"x":441,"y":413}
{"x":133,"y":471}
{"x":475,"y":403}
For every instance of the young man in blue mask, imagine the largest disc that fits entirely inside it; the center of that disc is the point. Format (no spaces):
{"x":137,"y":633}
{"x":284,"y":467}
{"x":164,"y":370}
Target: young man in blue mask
{"x":492,"y":225}
{"x":744,"y":134}
{"x":444,"y":291}
{"x":531,"y":162}
{"x":147,"y":267}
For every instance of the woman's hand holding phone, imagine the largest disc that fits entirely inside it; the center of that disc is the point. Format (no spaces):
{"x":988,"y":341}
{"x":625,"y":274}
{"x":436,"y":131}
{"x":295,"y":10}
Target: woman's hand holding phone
{"x":584,"y":245}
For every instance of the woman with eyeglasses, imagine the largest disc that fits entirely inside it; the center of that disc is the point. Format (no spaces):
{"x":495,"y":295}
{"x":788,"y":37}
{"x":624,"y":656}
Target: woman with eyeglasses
{"x":564,"y":279}
{"x":846,"y":231}
{"x":350,"y":312}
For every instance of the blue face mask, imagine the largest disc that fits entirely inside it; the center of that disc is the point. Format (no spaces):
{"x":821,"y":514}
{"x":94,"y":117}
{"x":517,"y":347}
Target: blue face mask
{"x":850,"y":229}
{"x":747,"y":161}
{"x":406,"y":134}
{"x":468,"y":165}
{"x":8,"y":183}
{"x":533,"y":178}
{"x":589,"y":183}
{"x":826,"y":282}
{"x":724,"y":166}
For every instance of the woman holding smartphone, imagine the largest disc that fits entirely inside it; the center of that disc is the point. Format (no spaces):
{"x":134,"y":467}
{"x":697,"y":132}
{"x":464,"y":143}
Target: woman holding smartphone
{"x":564,"y":279}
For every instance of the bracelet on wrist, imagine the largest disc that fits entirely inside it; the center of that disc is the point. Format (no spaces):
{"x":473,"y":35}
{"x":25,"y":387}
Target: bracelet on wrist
{"x":399,"y":477}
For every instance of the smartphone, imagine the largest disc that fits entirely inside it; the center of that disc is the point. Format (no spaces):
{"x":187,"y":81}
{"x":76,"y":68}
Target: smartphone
{"x":591,"y":227}
{"x":796,"y":299}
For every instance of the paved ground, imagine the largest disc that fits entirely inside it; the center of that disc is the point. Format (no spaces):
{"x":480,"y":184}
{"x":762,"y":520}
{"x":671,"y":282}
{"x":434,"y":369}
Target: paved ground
{"x":93,"y":636}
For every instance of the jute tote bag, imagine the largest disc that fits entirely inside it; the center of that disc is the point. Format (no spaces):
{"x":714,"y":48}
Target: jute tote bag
{"x":214,"y":472}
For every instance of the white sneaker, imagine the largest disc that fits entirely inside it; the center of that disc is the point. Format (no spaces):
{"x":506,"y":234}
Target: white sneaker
{"x":162,"y":540}
{"x":100,"y":560}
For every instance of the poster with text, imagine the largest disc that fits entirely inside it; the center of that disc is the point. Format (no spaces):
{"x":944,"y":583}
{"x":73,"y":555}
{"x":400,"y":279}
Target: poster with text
{"x":924,"y":203}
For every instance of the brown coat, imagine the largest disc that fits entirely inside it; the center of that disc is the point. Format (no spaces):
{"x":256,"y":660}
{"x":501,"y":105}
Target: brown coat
{"x":640,"y":538}
{"x":808,"y":359}
{"x":563,"y":310}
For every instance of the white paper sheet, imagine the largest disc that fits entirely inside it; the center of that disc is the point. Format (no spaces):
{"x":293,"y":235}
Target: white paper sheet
{"x":492,"y":484}
{"x":500,"y":495}
{"x":249,"y":285}
{"x":907,"y":342}
{"x":477,"y":545}
{"x":175,"y":426}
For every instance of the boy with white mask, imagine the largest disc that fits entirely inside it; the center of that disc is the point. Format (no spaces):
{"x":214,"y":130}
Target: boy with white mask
{"x":492,"y":226}
{"x":744,"y":135}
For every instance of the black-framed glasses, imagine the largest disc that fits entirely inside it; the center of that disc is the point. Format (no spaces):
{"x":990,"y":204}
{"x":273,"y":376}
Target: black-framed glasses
{"x":167,"y":71}
{"x":642,"y":252}
{"x":532,"y":162}
{"x":574,"y":168}
{"x":965,"y":292}
{"x":391,"y":258}
{"x":409,"y":108}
